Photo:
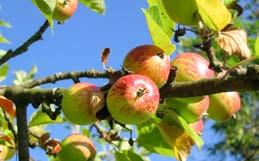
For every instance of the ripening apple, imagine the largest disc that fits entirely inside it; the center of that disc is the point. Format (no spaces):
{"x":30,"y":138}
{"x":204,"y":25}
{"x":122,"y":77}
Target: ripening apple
{"x":133,"y":99}
{"x":81,"y":102}
{"x":64,"y":9}
{"x":77,"y":147}
{"x":224,"y":105}
{"x":197,"y":126}
{"x":149,"y":60}
{"x":191,"y":67}
{"x":182,"y":11}
{"x":190,"y":112}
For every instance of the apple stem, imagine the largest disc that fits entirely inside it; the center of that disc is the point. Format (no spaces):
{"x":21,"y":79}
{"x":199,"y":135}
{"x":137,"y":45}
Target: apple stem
{"x":141,"y":92}
{"x":161,"y":55}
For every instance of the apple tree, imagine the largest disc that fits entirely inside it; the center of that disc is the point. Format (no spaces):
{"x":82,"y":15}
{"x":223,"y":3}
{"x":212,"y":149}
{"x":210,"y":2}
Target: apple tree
{"x":155,"y":103}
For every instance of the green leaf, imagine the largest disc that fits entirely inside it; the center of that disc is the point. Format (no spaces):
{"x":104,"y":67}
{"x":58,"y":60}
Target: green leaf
{"x":4,"y":40}
{"x":172,"y":117}
{"x":257,"y":46}
{"x":40,"y":118}
{"x":149,"y":137}
{"x":5,"y":24}
{"x":127,"y":155}
{"x":95,"y":5}
{"x":46,"y":7}
{"x":159,"y":15}
{"x":3,"y":71}
{"x":159,"y":37}
{"x":214,"y":14}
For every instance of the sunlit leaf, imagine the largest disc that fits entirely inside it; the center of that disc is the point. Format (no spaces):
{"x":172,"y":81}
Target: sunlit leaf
{"x":127,"y":155}
{"x":160,"y":16}
{"x":214,"y":14}
{"x":95,"y":5}
{"x":40,"y":118}
{"x":3,"y":71}
{"x":257,"y":46}
{"x":150,"y":138}
{"x":4,"y":40}
{"x":5,"y":24}
{"x":159,"y":37}
{"x":46,"y":7}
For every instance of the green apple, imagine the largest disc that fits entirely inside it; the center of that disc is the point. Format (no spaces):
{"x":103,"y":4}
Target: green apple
{"x":81,"y":102}
{"x":190,"y":112}
{"x":224,"y":105}
{"x":77,"y":147}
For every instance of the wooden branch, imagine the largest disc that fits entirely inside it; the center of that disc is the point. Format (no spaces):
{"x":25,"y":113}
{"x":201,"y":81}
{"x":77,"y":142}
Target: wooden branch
{"x":68,"y":75}
{"x":23,"y":138}
{"x":24,"y":47}
{"x":244,"y":80}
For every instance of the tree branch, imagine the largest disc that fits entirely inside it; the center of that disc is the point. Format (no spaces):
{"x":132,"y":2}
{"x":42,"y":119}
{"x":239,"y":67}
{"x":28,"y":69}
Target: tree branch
{"x":244,"y":80}
{"x":24,"y":47}
{"x":23,"y":138}
{"x":68,"y":75}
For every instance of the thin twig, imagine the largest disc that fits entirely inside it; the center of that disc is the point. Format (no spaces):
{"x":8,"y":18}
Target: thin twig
{"x":24,"y":47}
{"x":10,"y":126}
{"x":67,"y":75}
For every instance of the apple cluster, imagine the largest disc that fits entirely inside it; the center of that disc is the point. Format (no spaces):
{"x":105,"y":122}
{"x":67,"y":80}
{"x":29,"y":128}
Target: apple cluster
{"x":134,"y":97}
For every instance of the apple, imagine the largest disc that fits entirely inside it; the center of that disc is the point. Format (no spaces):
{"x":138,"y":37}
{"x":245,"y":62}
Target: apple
{"x":197,"y":126}
{"x":64,"y":9}
{"x":182,"y":11}
{"x":191,"y":112}
{"x":6,"y":153}
{"x":77,"y":147}
{"x":81,"y":102}
{"x":224,"y":105}
{"x":149,"y":60}
{"x":191,"y":67}
{"x":133,"y":99}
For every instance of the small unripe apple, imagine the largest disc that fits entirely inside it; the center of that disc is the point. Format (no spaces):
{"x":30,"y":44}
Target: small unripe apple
{"x":190,"y":112}
{"x":77,"y":147}
{"x":224,"y":105}
{"x":64,"y":9}
{"x":149,"y":60}
{"x":133,"y":99}
{"x":191,"y":67}
{"x":80,"y":104}
{"x":182,"y":11}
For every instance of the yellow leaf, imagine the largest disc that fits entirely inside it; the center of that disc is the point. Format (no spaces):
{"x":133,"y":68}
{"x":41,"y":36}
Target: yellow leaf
{"x":214,"y":14}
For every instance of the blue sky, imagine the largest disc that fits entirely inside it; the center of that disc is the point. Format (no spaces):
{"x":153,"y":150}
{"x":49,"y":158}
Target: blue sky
{"x":77,"y":44}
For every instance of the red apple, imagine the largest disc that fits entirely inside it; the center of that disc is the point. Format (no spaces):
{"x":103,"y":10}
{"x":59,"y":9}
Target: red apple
{"x":133,"y":99}
{"x":224,"y":105}
{"x":191,"y":112}
{"x":81,"y":102}
{"x":77,"y":147}
{"x":64,"y":9}
{"x":191,"y":67}
{"x":149,"y":60}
